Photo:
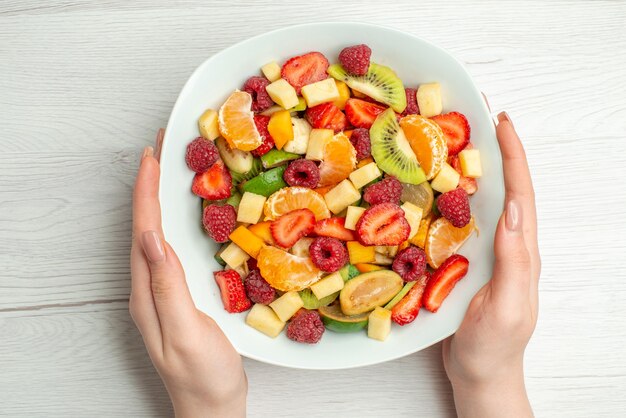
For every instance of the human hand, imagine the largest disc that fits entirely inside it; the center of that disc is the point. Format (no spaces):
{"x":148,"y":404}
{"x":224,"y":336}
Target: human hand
{"x":484,"y":359}
{"x":201,"y":370}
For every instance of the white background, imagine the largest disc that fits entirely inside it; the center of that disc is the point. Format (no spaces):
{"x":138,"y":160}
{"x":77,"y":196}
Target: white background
{"x":83,"y":88}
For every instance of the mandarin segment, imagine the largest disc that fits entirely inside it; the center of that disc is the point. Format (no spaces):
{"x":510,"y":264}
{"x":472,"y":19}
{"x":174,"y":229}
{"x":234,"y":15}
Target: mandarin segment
{"x":292,"y":198}
{"x":427,"y":142}
{"x":443,"y":240}
{"x":339,"y":160}
{"x":286,"y":272}
{"x":236,"y":122}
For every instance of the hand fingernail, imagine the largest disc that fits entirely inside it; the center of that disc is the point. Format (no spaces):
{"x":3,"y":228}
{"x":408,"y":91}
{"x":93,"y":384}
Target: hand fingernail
{"x":152,"y":246}
{"x":147,"y":152}
{"x":503,"y":116}
{"x":513,"y":217}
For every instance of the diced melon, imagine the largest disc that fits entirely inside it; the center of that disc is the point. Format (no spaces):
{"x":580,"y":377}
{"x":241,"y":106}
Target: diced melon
{"x":447,"y":179}
{"x":360,"y":253}
{"x":353,"y":215}
{"x":429,"y":99}
{"x":317,"y":141}
{"x":413,"y":215}
{"x":328,"y":285}
{"x":320,"y":92}
{"x":247,"y":241}
{"x":208,"y":125}
{"x":344,"y":94}
{"x":234,"y":256}
{"x":470,"y":163}
{"x":280,"y":128}
{"x":250,"y":208}
{"x":379,"y":324}
{"x":361,"y":176}
{"x":263,"y":319}
{"x":271,"y":71}
{"x":282,"y":93}
{"x":287,"y":305}
{"x":341,"y":196}
{"x":262,"y":230}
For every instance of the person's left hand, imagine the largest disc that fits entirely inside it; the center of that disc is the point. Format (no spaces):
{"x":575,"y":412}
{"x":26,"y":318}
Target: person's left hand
{"x":201,"y":370}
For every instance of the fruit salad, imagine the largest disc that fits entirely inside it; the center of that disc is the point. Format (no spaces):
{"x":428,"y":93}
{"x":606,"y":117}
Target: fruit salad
{"x":340,"y":196}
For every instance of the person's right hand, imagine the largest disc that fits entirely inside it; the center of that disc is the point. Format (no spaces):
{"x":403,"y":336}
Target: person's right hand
{"x":484,"y":359}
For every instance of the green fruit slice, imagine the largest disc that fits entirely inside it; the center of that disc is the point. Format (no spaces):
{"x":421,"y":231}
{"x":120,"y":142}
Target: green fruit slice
{"x":393,"y":302}
{"x":236,"y":160}
{"x":312,"y":302}
{"x":420,"y":195}
{"x":336,"y":321}
{"x":380,"y":83}
{"x":257,"y":167}
{"x":218,"y":255}
{"x":266,"y":183}
{"x":276,"y":157}
{"x":369,"y":290}
{"x":348,"y":272}
{"x":234,"y":199}
{"x":392,"y":151}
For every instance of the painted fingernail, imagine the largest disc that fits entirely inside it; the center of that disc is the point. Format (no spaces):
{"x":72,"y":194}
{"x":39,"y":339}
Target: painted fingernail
{"x":147,"y":152}
{"x":152,"y":246}
{"x":513,"y":218}
{"x":503,"y":116}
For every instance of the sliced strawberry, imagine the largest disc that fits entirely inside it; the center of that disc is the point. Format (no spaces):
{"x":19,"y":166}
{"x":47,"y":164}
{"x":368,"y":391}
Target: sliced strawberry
{"x":261,"y":122}
{"x":326,"y":116}
{"x":292,"y":226}
{"x":334,"y":228}
{"x":456,"y":130}
{"x":214,"y":184}
{"x":409,"y":306}
{"x":470,"y":185}
{"x":383,"y":224}
{"x":233,"y":291}
{"x":361,"y":113}
{"x":305,"y":69}
{"x":444,"y":278}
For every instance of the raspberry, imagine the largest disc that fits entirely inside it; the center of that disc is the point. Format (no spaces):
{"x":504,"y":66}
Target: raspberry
{"x":360,"y":140}
{"x":356,"y":59}
{"x":302,"y":173}
{"x":255,"y":86}
{"x":257,"y":289}
{"x":455,"y":207}
{"x":201,"y":154}
{"x":305,"y":327}
{"x":411,"y":103}
{"x":261,"y":123}
{"x":388,"y":190}
{"x":219,"y":221}
{"x":251,"y":264}
{"x":410,"y":263}
{"x":328,"y":254}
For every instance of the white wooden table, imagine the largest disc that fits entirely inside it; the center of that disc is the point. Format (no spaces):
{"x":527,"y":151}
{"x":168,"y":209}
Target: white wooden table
{"x":83,"y":88}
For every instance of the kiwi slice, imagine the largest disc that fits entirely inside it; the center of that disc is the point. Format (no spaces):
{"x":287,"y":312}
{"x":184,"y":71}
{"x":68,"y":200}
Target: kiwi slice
{"x":392,"y":151}
{"x":256,"y":169}
{"x":312,"y":302}
{"x":380,"y":83}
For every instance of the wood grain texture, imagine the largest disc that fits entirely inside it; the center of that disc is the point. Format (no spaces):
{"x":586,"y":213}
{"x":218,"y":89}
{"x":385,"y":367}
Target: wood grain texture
{"x":83,"y":87}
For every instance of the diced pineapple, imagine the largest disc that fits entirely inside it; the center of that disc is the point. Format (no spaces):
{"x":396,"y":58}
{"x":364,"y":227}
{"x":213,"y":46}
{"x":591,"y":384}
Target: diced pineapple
{"x":301,"y":247}
{"x":341,"y":196}
{"x":360,"y":253}
{"x":317,"y":141}
{"x":328,"y":285}
{"x":262,"y":230}
{"x":379,"y":324}
{"x":280,"y":128}
{"x":419,"y":239}
{"x":246,"y":240}
{"x":287,"y":305}
{"x":262,"y":318}
{"x":208,"y":125}
{"x":361,"y":176}
{"x":271,"y":71}
{"x":301,"y":133}
{"x":250,"y":208}
{"x":234,"y":256}
{"x":447,"y":179}
{"x":320,"y":92}
{"x":352,"y":216}
{"x":470,"y":163}
{"x":429,"y":99}
{"x":344,"y":94}
{"x":282,"y":93}
{"x":413,"y":215}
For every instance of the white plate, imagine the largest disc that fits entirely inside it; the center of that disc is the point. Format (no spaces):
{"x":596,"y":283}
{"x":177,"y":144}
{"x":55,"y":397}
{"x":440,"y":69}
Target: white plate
{"x":416,"y":61}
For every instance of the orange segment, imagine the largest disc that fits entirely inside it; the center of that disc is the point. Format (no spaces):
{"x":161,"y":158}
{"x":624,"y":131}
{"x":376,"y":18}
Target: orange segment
{"x":443,"y":240}
{"x":427,"y":142}
{"x":286,"y":272}
{"x":236,"y":122}
{"x":339,"y":160}
{"x":292,"y":198}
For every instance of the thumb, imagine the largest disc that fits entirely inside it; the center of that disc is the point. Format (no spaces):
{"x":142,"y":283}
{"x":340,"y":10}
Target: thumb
{"x":172,"y":299}
{"x":511,"y":272}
